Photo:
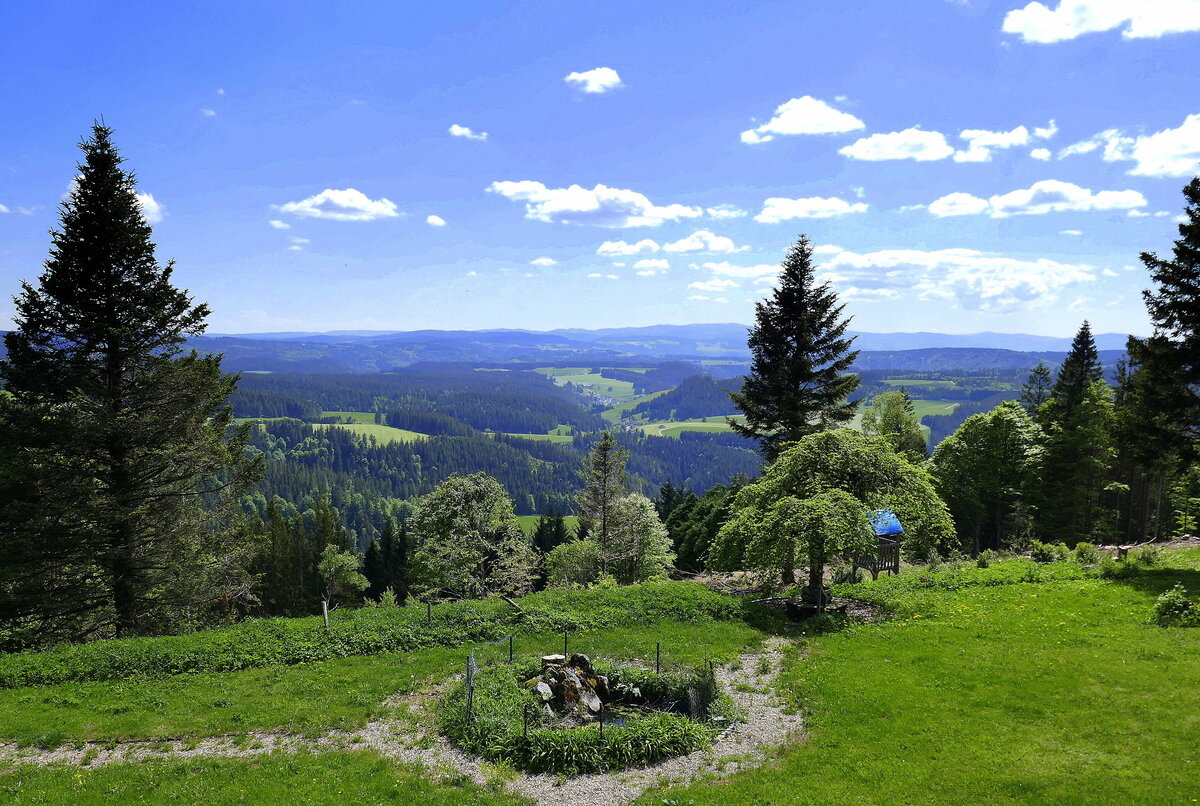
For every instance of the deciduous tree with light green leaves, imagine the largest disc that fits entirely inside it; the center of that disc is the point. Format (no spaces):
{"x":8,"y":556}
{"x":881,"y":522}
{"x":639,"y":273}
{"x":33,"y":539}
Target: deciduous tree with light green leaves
{"x":808,"y":492}
{"x":468,"y":541}
{"x":894,"y":418}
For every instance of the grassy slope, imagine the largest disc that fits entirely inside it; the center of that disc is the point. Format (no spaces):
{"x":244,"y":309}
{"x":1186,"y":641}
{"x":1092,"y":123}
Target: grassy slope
{"x":1051,"y":693}
{"x":383,"y":433}
{"x":344,"y":778}
{"x":312,"y":697}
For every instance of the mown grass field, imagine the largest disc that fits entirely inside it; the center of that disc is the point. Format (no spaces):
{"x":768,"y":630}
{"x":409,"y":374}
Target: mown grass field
{"x":581,"y":376}
{"x":675,"y":428}
{"x":383,"y":433}
{"x":561,"y":434}
{"x":1060,"y":692}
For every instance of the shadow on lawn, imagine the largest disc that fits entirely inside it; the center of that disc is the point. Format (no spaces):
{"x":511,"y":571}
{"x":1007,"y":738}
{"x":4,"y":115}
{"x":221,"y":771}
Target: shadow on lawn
{"x":1154,"y":581}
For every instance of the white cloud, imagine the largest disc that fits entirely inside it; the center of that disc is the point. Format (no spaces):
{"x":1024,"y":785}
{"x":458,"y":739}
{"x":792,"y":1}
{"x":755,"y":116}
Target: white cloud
{"x":4,"y":209}
{"x":704,"y":298}
{"x":623,"y":248}
{"x":1170,"y":152}
{"x":1138,"y":19}
{"x":601,"y":206}
{"x":1041,"y":154}
{"x":220,"y":91}
{"x":728,"y":269}
{"x":1070,"y":232}
{"x":1110,"y":273}
{"x":435,"y":221}
{"x":342,"y":205}
{"x":598,"y":276}
{"x":716,"y":285}
{"x":152,"y":209}
{"x":1046,"y":196}
{"x":806,"y":115}
{"x":294,"y":248}
{"x":722,"y":211}
{"x":910,"y":144}
{"x":277,"y":224}
{"x":778,"y":209}
{"x":472,"y":274}
{"x":1045,"y":133}
{"x":866,"y":294}
{"x":463,"y":131}
{"x":620,"y":264}
{"x":600,"y":79}
{"x":652,"y":263}
{"x":649,"y":272}
{"x":704,"y":241}
{"x":208,"y":113}
{"x":981,"y":143}
{"x":543,"y":261}
{"x":968,"y":278}
{"x":301,"y":240}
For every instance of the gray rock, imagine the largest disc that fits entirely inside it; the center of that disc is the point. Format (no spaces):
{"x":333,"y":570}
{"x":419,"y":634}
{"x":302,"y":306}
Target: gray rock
{"x":543,"y":688}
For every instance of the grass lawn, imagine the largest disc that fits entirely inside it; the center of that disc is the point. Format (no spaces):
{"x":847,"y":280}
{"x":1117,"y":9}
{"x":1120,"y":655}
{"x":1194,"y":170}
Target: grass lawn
{"x":561,"y":434}
{"x":364,"y":417}
{"x":1058,"y":692}
{"x":313,"y":697}
{"x":581,"y":376}
{"x":342,"y":777}
{"x":383,"y":433}
{"x":614,"y":414}
{"x":674,"y":429}
{"x":916,"y":383}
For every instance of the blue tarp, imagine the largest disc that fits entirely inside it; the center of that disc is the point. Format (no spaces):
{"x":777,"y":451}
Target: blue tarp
{"x":886,"y":523}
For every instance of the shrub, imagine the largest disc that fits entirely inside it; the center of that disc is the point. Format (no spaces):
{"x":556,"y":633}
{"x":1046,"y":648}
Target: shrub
{"x":1174,"y":609}
{"x":1048,"y":552}
{"x":1110,"y":568}
{"x":985,"y":558}
{"x":496,"y":731}
{"x":1086,"y":553}
{"x":1148,"y":556}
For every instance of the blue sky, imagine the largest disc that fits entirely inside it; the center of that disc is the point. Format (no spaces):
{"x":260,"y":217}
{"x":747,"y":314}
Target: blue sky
{"x":961,"y":166}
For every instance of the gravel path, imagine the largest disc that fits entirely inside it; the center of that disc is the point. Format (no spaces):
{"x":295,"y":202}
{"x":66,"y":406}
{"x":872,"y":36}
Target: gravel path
{"x":407,"y":735}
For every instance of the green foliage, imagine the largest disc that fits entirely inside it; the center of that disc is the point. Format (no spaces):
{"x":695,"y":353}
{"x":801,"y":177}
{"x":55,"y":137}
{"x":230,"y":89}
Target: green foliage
{"x":1174,"y":609}
{"x":1111,"y":568}
{"x":798,"y":382}
{"x":574,"y":564}
{"x":1077,"y":464}
{"x":115,"y":508}
{"x":1148,"y":556}
{"x":861,"y":468}
{"x":986,"y":472}
{"x":260,"y":643}
{"x":894,"y":418}
{"x":603,"y":486}
{"x":496,"y":730}
{"x":985,"y":558}
{"x":468,"y":542}
{"x":340,"y":571}
{"x":1048,"y":552}
{"x":694,"y":522}
{"x":638,"y":546}
{"x":1086,"y":553}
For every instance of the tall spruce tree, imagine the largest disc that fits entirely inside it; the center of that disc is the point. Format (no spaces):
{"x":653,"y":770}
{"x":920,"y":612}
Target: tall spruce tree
{"x":1080,"y":369}
{"x":798,"y":382}
{"x":1174,"y":308}
{"x":122,"y":438}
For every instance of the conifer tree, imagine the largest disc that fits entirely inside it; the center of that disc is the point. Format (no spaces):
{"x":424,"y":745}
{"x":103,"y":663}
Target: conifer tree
{"x":123,"y":438}
{"x":603,"y":486}
{"x":1036,"y":390}
{"x":798,"y":382}
{"x":1078,"y":372}
{"x":1174,"y":308}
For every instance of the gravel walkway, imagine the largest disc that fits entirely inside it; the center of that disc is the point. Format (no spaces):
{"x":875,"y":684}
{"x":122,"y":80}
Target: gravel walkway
{"x":408,"y":736}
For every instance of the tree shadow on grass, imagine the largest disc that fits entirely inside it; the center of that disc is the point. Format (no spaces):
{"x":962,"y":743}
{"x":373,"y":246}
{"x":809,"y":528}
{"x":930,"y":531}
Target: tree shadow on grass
{"x":1154,"y":581}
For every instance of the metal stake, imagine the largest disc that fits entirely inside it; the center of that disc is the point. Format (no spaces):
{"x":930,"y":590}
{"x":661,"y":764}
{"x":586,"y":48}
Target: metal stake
{"x":564,"y":644}
{"x":428,"y":611}
{"x":602,"y":720}
{"x":510,"y":649}
{"x":658,"y":657}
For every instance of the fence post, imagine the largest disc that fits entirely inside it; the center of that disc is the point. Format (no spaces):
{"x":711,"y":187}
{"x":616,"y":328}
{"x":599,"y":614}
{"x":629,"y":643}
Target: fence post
{"x":564,"y":643}
{"x":525,"y":721}
{"x":428,"y":610}
{"x":510,"y":649}
{"x":602,"y":720}
{"x":658,"y":657}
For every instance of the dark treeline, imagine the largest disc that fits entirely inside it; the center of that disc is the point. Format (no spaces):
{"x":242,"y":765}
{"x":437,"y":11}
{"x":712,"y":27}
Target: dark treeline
{"x":693,"y":465}
{"x":943,"y":425}
{"x":658,"y":378}
{"x":426,"y":422}
{"x":514,"y":402}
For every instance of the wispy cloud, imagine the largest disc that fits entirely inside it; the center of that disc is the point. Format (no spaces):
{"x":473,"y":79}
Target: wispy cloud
{"x":601,"y":206}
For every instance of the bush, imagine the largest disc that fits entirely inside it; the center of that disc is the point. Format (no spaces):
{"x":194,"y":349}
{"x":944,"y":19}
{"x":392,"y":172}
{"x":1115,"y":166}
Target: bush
{"x":577,"y":564}
{"x":1174,"y":609}
{"x":1109,"y":568}
{"x":1048,"y":552}
{"x":1086,"y":553}
{"x":496,"y":729}
{"x":369,"y":631}
{"x":985,"y":558}
{"x":1148,"y":556}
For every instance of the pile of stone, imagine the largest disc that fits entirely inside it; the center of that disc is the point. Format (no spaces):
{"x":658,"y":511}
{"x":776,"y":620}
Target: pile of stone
{"x":570,"y":685}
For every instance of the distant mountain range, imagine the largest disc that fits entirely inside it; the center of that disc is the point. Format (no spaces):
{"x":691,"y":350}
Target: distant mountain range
{"x":383,"y":351}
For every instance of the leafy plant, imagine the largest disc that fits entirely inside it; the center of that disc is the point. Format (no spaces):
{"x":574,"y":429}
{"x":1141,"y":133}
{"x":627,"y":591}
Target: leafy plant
{"x":985,"y":558}
{"x":1048,"y":552}
{"x":1086,"y":553}
{"x":1174,"y":609}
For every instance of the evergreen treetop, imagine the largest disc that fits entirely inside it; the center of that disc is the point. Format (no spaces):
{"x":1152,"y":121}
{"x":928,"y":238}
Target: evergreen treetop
{"x":798,"y":382}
